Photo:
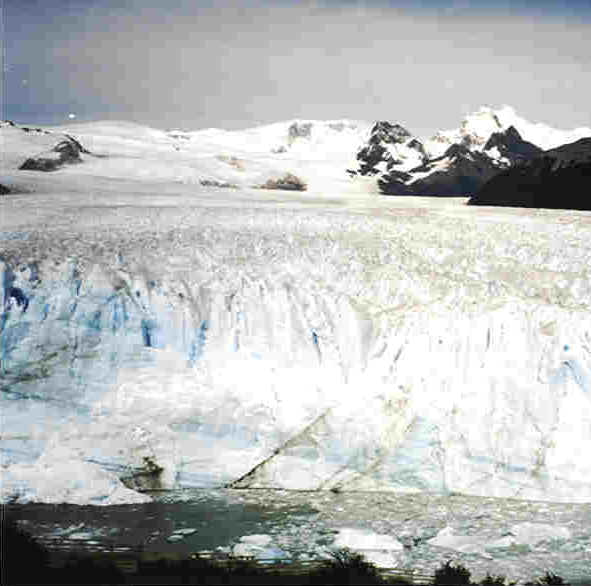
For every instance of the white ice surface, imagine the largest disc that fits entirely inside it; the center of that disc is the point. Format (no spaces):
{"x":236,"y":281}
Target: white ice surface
{"x":273,"y":339}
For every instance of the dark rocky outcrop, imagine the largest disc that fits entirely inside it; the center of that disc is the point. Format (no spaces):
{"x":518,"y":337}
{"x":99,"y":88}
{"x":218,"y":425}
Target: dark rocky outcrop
{"x":4,"y":190}
{"x":559,"y":178}
{"x":458,"y":172}
{"x":396,"y":183}
{"x":376,"y":150}
{"x":512,"y":147}
{"x":288,"y":182}
{"x":299,"y":130}
{"x":216,"y":183}
{"x":418,"y":146}
{"x":65,"y":152}
{"x":388,"y":133}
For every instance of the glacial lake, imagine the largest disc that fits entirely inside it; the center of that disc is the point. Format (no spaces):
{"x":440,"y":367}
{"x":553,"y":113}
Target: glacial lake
{"x":304,"y":525}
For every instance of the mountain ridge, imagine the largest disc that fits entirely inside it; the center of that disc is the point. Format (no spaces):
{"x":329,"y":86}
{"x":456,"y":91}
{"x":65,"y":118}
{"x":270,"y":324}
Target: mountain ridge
{"x":330,"y":156}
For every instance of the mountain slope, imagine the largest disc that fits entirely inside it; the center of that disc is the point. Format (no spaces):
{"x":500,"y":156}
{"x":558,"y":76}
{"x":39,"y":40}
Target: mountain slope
{"x":317,"y":152}
{"x":458,"y":172}
{"x":559,"y":178}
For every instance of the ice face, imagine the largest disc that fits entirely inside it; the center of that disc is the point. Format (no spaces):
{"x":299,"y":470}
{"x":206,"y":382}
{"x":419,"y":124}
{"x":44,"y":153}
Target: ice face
{"x":199,"y":338}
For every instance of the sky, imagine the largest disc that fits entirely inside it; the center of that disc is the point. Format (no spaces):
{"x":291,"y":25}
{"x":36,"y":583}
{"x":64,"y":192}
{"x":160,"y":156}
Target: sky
{"x":235,"y":64}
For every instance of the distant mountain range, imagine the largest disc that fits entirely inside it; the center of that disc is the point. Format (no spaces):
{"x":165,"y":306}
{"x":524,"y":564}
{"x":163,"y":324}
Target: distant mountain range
{"x":341,"y":156}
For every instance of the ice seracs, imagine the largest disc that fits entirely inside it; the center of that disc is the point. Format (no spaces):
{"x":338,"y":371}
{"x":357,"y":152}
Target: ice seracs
{"x":272,"y":348}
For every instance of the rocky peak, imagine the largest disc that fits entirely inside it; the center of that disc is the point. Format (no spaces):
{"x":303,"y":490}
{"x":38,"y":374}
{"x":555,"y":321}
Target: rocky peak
{"x":508,"y":136}
{"x":386,"y":132}
{"x":509,"y":148}
{"x":457,"y":150}
{"x":418,"y":146}
{"x":389,"y":146}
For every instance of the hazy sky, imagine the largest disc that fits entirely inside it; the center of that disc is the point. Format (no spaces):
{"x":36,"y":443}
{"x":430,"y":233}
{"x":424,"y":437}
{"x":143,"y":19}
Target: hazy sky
{"x":239,"y":63}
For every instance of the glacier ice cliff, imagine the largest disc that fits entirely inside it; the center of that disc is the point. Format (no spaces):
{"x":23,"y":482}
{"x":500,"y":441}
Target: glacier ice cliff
{"x":410,"y":350}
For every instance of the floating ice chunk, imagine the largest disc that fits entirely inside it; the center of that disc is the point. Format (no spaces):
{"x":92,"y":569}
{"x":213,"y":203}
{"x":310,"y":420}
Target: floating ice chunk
{"x":174,"y":538}
{"x":533,"y":533}
{"x":260,"y":540}
{"x":184,"y":532}
{"x":377,"y":548}
{"x":463,"y":543}
{"x":520,"y":534}
{"x":259,"y":547}
{"x":81,"y":535}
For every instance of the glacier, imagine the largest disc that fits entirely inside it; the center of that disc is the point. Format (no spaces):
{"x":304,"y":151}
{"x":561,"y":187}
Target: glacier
{"x":159,"y":337}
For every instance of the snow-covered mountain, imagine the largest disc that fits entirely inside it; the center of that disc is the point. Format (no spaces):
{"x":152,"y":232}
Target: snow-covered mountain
{"x":477,"y":127}
{"x":389,"y":146}
{"x":317,"y":152}
{"x":461,"y":170}
{"x":338,"y":156}
{"x":458,"y":162}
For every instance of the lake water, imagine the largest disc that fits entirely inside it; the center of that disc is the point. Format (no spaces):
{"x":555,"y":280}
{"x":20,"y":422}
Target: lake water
{"x":304,"y":525}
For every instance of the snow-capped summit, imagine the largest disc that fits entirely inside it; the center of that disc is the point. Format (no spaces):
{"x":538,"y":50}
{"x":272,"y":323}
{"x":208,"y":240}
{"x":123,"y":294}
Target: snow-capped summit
{"x":389,"y":146}
{"x":473,"y":132}
{"x":538,"y":133}
{"x":477,"y":127}
{"x":305,"y":137}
